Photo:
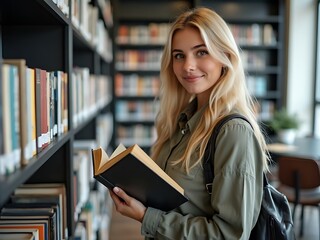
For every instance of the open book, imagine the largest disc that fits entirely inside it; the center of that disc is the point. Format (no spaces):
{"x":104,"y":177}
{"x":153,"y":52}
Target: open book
{"x":138,"y":175}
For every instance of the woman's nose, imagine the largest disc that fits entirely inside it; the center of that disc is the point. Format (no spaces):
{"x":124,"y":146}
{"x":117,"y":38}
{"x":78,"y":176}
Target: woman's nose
{"x":189,"y":64}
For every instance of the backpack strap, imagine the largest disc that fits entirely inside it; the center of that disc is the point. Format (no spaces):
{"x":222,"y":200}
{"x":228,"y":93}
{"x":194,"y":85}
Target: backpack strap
{"x":211,"y":147}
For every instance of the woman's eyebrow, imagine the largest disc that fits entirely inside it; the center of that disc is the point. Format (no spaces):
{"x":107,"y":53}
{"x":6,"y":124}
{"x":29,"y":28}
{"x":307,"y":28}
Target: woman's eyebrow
{"x":198,"y":46}
{"x":176,"y":50}
{"x":195,"y":47}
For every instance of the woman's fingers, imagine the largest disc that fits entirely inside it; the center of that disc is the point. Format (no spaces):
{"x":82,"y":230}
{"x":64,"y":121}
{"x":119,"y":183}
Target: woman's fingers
{"x":127,"y":205}
{"x":120,"y":193}
{"x":115,"y":198}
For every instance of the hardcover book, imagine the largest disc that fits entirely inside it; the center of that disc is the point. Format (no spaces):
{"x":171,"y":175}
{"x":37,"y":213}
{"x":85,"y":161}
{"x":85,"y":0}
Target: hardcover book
{"x":32,"y":214}
{"x":41,"y":224}
{"x":54,"y":193}
{"x":24,"y":102}
{"x":19,"y":234}
{"x":40,"y":227}
{"x":139,"y":176}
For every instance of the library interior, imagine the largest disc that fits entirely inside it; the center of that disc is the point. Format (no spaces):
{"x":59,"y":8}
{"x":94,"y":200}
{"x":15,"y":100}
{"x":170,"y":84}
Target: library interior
{"x":78,"y":75}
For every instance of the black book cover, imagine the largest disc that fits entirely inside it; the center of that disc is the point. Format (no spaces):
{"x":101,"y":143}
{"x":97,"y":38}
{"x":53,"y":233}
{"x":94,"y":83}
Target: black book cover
{"x":142,"y":182}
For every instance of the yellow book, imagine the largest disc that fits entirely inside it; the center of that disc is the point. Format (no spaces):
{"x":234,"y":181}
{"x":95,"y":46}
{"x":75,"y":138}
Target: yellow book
{"x":31,"y":73}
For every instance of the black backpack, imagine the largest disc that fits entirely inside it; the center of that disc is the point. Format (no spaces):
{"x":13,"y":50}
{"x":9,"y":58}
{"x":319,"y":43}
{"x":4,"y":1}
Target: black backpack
{"x":275,"y":219}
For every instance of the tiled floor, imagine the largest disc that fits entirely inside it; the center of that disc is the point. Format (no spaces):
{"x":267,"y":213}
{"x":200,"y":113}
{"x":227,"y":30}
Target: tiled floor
{"x":123,"y":228}
{"x":311,"y":224}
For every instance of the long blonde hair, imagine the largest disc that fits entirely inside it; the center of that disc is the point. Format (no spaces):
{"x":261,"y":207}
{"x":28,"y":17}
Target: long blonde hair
{"x":228,"y":94}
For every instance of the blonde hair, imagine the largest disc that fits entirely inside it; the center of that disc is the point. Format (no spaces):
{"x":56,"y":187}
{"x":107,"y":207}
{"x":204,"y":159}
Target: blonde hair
{"x":228,"y":94}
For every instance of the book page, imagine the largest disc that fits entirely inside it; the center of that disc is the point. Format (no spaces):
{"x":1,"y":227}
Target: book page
{"x":118,"y":150}
{"x":100,"y":157}
{"x":103,"y":158}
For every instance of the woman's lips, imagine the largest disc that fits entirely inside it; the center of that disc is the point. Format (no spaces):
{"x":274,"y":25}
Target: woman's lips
{"x":192,"y":78}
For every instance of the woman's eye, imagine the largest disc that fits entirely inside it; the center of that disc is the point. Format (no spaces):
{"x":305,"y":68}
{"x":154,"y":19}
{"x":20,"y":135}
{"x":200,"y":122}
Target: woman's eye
{"x":202,"y":52}
{"x":178,"y":56}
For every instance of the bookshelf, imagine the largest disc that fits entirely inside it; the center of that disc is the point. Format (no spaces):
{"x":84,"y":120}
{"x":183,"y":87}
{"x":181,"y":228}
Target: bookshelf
{"x":258,"y":27}
{"x":72,"y":42}
{"x":139,"y":41}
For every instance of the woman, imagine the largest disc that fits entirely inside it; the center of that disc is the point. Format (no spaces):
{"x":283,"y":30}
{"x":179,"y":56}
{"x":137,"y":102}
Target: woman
{"x":202,"y":81}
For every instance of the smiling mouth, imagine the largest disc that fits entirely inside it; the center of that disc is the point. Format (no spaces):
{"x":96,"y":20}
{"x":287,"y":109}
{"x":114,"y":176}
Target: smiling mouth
{"x":192,"y":78}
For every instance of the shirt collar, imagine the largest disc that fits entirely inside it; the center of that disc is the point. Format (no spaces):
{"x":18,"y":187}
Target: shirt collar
{"x":189,"y":117}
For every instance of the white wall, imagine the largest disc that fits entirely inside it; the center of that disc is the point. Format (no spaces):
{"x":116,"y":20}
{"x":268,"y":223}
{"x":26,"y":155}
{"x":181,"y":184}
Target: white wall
{"x":301,"y":57}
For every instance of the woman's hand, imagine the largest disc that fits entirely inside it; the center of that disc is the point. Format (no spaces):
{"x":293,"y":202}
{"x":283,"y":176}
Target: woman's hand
{"x":126,"y":205}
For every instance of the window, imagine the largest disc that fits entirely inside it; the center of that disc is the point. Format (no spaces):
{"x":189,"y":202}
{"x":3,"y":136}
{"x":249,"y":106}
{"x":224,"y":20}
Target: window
{"x":316,"y":120}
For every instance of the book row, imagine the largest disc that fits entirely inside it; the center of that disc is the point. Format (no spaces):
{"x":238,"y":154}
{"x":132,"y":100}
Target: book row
{"x":254,"y":34}
{"x":155,"y":33}
{"x":136,"y":85}
{"x":257,"y":85}
{"x":34,"y":111}
{"x":136,"y":110}
{"x":37,"y":206}
{"x":138,"y":60}
{"x":34,"y":105}
{"x":93,"y":204}
{"x":83,"y":180}
{"x":89,"y":93}
{"x":104,"y":129}
{"x":152,"y":33}
{"x":39,"y":210}
{"x":140,"y":134}
{"x":85,"y":18}
{"x":254,"y":59}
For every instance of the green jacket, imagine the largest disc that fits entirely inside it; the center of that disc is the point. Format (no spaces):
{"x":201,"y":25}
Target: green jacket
{"x":233,"y":208}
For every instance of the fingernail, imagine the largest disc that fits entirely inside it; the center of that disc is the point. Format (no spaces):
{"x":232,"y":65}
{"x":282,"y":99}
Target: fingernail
{"x":116,"y":189}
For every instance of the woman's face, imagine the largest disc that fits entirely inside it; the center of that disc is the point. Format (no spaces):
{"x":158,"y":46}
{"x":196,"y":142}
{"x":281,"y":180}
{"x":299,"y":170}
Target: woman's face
{"x":196,"y":70}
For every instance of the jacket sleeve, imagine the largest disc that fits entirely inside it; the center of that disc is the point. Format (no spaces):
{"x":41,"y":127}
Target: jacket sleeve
{"x":236,"y":198}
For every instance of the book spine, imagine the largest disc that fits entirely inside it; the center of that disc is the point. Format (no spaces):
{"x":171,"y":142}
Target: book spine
{"x":65,"y":103}
{"x":28,"y":115}
{"x":44,"y":108}
{"x":38,"y":108}
{"x":21,"y":90}
{"x":55,"y":103}
{"x":52,"y":110}
{"x":31,"y":73}
{"x":15,"y":113}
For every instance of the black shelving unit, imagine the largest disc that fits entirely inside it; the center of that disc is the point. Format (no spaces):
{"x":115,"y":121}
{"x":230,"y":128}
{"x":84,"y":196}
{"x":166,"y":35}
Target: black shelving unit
{"x":266,"y":81}
{"x":39,"y":32}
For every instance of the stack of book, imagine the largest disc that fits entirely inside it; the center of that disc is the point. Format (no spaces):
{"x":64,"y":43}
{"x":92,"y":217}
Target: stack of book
{"x":38,"y":209}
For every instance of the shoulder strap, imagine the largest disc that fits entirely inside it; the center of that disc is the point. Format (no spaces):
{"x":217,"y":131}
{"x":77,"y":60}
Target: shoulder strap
{"x":211,"y":147}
